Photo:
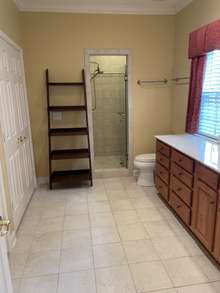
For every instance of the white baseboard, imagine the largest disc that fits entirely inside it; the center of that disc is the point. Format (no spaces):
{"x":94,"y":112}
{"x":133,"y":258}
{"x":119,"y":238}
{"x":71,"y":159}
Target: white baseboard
{"x":135,"y":173}
{"x":42,"y":180}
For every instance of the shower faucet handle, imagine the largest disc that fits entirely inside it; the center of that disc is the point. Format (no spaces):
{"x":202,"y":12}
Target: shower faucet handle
{"x":122,"y":115}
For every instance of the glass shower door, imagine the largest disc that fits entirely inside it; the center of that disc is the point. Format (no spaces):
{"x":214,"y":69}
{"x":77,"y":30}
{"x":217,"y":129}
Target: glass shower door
{"x":122,"y":113}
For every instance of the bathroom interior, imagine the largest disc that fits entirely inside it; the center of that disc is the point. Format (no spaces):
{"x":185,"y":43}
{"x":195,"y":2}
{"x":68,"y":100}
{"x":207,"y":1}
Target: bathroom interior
{"x":109,"y":146}
{"x":108,"y":79}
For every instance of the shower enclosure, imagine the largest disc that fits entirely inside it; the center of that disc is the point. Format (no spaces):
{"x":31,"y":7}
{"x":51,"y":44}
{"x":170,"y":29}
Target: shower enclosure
{"x":108,"y":75}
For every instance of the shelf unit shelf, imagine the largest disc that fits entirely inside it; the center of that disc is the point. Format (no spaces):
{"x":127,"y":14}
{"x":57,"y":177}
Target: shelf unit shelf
{"x":69,"y":154}
{"x":67,"y":108}
{"x":73,"y":177}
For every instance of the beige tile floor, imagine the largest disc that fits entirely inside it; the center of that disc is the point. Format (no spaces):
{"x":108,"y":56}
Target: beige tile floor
{"x":115,"y":237}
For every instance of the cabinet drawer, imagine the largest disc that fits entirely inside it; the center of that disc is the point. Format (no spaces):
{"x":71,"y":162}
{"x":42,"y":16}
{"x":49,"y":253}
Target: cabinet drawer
{"x":163,"y":160}
{"x":180,"y":208}
{"x":181,"y":190}
{"x":181,"y":174}
{"x":163,"y":149}
{"x":162,"y":172}
{"x":161,"y":187}
{"x":183,"y":161}
{"x":206,"y":175}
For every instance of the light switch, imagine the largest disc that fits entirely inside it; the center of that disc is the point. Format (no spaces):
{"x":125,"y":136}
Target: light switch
{"x":57,"y":116}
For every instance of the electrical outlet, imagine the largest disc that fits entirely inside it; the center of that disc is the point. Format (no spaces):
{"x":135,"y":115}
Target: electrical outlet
{"x":57,"y":116}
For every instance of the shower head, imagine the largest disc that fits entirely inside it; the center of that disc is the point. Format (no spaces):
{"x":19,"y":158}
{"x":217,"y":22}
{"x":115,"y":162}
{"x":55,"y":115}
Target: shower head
{"x":97,"y":71}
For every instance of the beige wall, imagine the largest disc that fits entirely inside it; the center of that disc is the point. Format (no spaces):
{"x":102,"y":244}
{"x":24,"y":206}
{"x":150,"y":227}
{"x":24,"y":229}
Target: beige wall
{"x":10,"y":20}
{"x":10,"y":25}
{"x":57,"y":41}
{"x":198,"y":13}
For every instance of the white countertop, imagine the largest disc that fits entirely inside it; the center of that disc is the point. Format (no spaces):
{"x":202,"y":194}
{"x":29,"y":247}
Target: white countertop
{"x":197,"y":147}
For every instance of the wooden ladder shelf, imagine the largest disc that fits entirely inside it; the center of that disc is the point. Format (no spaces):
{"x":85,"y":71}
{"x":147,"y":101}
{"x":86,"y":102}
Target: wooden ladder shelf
{"x":73,"y":177}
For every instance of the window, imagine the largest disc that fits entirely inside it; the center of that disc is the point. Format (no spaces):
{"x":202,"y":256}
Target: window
{"x":209,"y":121}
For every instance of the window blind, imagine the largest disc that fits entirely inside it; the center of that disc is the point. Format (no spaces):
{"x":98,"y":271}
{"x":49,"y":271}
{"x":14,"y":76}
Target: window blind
{"x":209,"y":121}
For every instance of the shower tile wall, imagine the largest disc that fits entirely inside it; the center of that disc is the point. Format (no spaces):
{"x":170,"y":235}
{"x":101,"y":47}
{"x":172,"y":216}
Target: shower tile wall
{"x":109,"y":129}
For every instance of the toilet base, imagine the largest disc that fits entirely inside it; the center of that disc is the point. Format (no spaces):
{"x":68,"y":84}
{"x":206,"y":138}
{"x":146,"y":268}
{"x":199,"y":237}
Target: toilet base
{"x":145,"y":179}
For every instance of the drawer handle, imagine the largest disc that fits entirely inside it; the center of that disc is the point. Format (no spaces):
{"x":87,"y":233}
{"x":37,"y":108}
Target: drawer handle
{"x":161,"y":173}
{"x":160,"y":187}
{"x":180,"y":160}
{"x":212,"y":202}
{"x":180,"y":174}
{"x":161,"y":148}
{"x":178,"y":207}
{"x":179,"y":189}
{"x":161,"y":159}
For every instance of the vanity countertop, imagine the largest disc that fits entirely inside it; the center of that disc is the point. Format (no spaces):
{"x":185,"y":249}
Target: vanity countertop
{"x":197,"y":147}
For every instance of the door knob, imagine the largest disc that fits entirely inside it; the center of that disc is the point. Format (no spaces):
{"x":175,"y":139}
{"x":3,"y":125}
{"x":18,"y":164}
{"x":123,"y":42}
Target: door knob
{"x":4,"y":227}
{"x":21,"y":139}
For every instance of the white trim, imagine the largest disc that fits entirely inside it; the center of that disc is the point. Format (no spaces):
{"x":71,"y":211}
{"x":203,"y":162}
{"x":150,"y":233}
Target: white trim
{"x":101,"y":9}
{"x":116,"y":52}
{"x":17,"y":47}
{"x":11,"y":240}
{"x":42,"y":180}
{"x":181,"y":5}
{"x":19,"y":5}
{"x":7,"y":39}
{"x":10,"y":41}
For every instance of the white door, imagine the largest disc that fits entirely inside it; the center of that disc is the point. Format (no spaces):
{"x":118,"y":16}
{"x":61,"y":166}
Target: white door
{"x":5,"y":276}
{"x":15,"y":124}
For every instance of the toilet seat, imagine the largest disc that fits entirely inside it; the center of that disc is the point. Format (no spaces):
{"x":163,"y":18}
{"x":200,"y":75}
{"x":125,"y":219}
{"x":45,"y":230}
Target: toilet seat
{"x":146,"y":158}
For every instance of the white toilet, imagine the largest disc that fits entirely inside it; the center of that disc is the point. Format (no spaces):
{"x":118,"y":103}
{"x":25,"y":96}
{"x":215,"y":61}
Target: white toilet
{"x":144,"y":165}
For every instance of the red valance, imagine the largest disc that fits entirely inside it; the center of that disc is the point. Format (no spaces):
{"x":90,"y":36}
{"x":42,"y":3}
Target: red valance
{"x":204,"y":40}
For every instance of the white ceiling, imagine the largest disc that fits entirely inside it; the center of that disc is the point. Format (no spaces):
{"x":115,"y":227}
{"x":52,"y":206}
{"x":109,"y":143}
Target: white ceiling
{"x":104,"y":6}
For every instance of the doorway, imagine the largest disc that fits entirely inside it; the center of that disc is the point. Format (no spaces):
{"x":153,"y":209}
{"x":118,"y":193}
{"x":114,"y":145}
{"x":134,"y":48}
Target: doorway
{"x":15,"y":126}
{"x":108,"y":91}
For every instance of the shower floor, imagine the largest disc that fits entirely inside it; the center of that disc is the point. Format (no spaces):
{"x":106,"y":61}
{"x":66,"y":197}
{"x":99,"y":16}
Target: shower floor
{"x":108,"y":162}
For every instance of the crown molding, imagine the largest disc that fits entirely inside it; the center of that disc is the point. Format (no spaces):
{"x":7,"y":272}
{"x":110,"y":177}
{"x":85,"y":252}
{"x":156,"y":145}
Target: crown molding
{"x":18,"y":4}
{"x":102,"y":10}
{"x":181,"y":5}
{"x":99,"y":10}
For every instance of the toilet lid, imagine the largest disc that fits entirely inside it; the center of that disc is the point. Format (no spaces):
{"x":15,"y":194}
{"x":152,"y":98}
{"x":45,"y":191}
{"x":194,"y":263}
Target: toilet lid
{"x":146,"y":158}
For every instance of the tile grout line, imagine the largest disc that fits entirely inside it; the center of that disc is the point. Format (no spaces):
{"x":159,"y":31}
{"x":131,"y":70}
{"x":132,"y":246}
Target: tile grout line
{"x":94,"y":269}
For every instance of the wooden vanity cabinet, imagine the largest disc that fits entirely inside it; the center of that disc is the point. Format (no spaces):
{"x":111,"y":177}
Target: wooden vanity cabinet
{"x":192,"y":191}
{"x":217,"y":235}
{"x":162,"y":170}
{"x":204,"y":213}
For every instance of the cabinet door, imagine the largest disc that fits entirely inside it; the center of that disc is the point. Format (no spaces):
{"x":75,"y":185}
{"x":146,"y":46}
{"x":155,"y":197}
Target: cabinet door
{"x":204,"y":213}
{"x":217,"y":236}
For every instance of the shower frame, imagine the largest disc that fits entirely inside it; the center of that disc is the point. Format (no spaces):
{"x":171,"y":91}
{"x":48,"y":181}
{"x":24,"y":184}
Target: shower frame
{"x":111,"y":52}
